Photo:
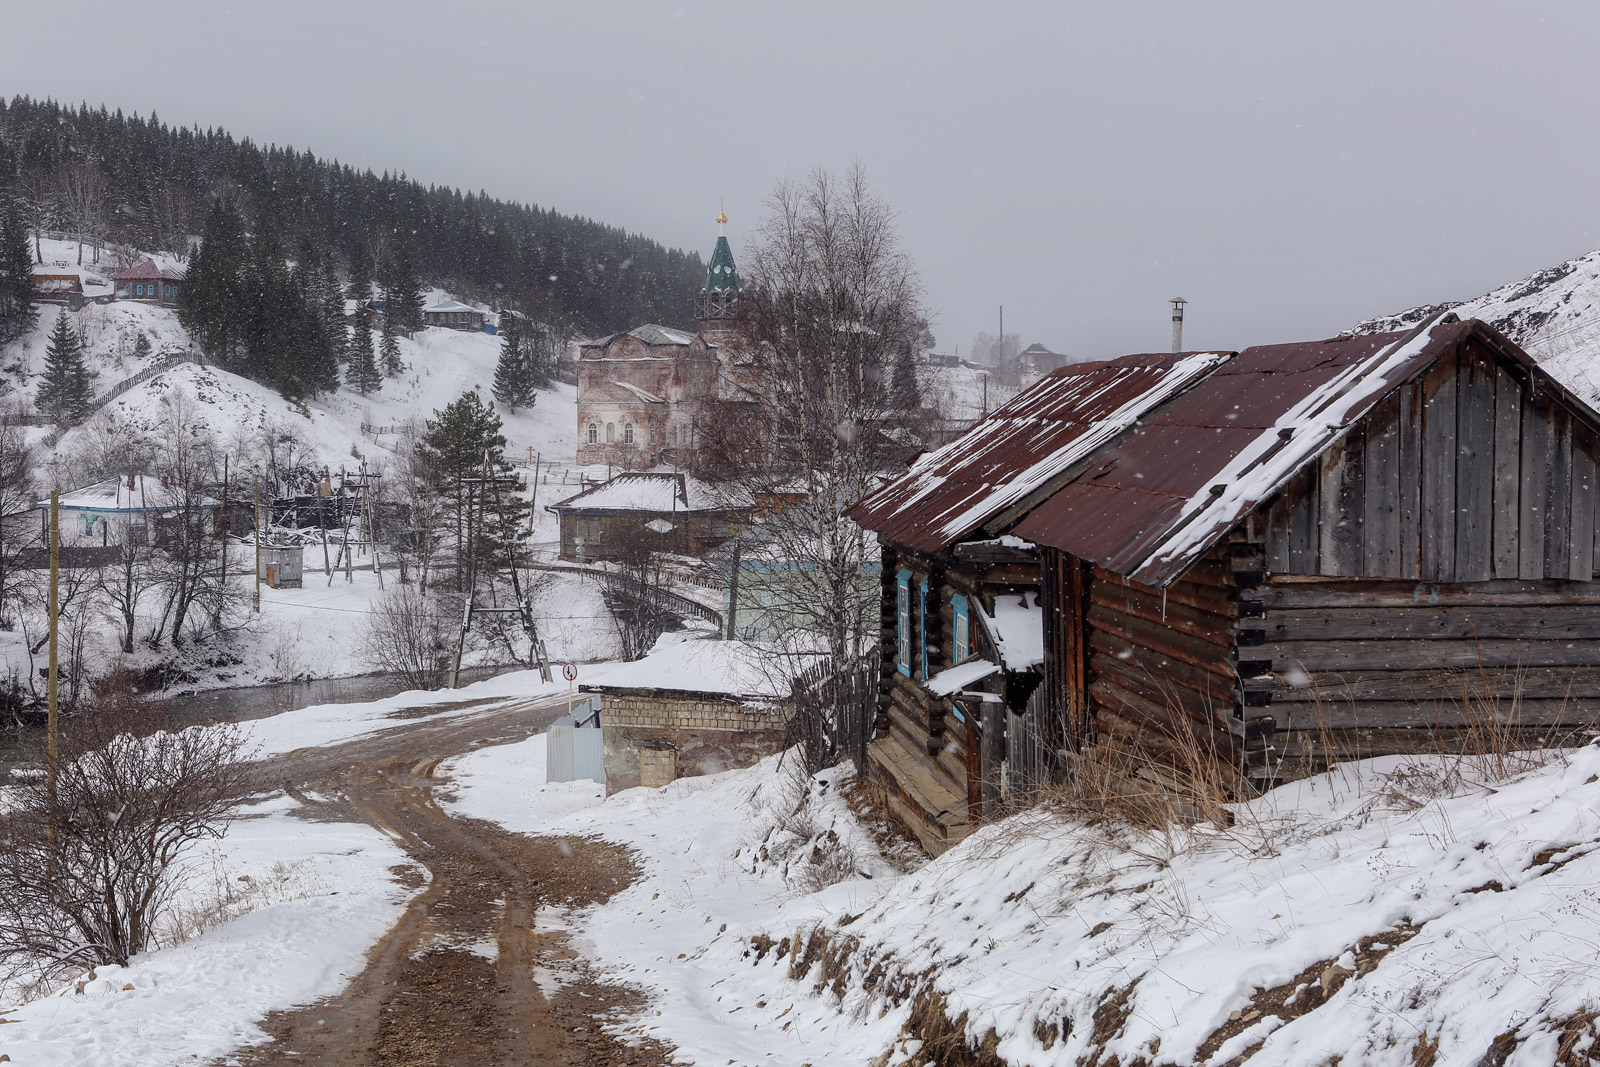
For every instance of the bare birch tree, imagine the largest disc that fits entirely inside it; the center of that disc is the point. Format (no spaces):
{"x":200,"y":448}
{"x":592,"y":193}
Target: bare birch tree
{"x":832,"y":306}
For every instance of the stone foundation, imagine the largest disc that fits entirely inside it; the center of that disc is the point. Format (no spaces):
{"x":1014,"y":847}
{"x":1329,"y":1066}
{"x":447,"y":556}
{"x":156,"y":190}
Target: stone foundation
{"x":650,"y":740}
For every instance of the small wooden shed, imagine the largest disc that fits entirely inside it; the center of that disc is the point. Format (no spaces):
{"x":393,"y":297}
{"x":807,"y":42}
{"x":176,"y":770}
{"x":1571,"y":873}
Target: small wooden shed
{"x":1296,"y":553}
{"x":281,"y":567}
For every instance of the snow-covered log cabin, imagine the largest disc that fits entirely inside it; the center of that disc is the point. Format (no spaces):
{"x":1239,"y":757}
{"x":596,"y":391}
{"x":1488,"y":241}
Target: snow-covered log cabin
{"x":1255,"y":562}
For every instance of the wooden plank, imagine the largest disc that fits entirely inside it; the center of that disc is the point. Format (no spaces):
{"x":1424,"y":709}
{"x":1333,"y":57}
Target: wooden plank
{"x":1439,"y":476}
{"x":1213,"y":699}
{"x":1206,"y":625}
{"x":1409,"y":504}
{"x":1377,"y":715}
{"x":1474,"y":548}
{"x":1277,"y":535}
{"x":1558,"y":498}
{"x":1537,"y":441}
{"x":1381,"y":459}
{"x":1313,"y":656}
{"x":1341,"y":594}
{"x":1303,"y":523}
{"x":1536,"y":683}
{"x":1157,"y":638}
{"x":1507,"y":456}
{"x":1581,"y":522}
{"x":1343,"y":508}
{"x":1575,"y":622}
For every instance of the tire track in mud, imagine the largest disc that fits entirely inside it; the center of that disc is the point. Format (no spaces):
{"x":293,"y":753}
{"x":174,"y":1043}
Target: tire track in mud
{"x":457,"y":981}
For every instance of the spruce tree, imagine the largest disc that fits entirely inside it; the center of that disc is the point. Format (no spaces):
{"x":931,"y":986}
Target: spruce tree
{"x":212,"y":303}
{"x":141,"y":347}
{"x":361,"y":374}
{"x":389,"y":350}
{"x":63,"y":393}
{"x":513,"y":373}
{"x":330,"y":301}
{"x":402,"y":298}
{"x":17,"y":296}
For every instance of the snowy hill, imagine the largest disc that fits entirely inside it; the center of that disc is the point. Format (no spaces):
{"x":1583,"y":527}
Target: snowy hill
{"x":1554,"y":314}
{"x":440,"y":366}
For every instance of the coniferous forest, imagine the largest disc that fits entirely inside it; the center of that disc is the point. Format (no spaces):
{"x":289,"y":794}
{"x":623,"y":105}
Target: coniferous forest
{"x":137,"y":181}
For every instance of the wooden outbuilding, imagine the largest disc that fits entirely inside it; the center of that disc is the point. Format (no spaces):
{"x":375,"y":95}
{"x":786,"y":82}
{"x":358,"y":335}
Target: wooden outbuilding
{"x":654,"y":511}
{"x":281,"y":567}
{"x":1287,"y":555}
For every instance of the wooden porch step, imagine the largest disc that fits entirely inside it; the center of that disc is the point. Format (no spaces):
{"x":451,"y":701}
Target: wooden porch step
{"x":933,"y":811}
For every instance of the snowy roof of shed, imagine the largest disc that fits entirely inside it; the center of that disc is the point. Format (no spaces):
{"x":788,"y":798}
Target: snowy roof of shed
{"x":660,"y":492}
{"x":113,"y":495}
{"x":171,"y":272}
{"x":691,"y":664}
{"x":1036,"y":437}
{"x":451,"y":307}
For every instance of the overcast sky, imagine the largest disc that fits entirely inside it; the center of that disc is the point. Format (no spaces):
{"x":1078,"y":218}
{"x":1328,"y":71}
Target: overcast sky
{"x":1289,"y":168}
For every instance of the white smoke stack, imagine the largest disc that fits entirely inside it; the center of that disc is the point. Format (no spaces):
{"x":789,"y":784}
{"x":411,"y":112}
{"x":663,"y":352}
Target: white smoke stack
{"x":1177,"y":303}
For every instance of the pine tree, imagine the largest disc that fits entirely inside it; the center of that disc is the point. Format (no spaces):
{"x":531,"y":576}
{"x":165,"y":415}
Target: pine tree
{"x":402,"y":298}
{"x":513,"y":374}
{"x":212,"y":300}
{"x":17,"y":296}
{"x":361,"y":374}
{"x":141,"y":347}
{"x":389,"y":350}
{"x":64,"y":392}
{"x":330,"y":300}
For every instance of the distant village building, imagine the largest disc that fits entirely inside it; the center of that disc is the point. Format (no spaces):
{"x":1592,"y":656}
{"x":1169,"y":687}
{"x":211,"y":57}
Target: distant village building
{"x":665,"y":511}
{"x":454,"y":315}
{"x":644,"y":395}
{"x":1036,"y":360}
{"x":150,"y":283}
{"x":120,"y":511}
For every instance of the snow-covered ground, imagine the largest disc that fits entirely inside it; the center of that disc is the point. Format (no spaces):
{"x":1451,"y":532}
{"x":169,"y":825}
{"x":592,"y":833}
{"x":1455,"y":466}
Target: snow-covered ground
{"x":319,"y":895}
{"x":1389,"y":907}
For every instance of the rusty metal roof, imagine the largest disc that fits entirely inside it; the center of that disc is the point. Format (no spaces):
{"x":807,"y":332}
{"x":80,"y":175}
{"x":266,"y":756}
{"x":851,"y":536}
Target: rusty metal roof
{"x":1015,"y":451}
{"x":1152,"y":504}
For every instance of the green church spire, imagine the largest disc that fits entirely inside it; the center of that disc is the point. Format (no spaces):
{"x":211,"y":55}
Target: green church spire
{"x":722,"y":276}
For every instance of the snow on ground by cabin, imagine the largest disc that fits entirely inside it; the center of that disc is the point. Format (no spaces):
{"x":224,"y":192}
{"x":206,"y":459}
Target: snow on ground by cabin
{"x":1396,"y":911}
{"x":311,"y":897}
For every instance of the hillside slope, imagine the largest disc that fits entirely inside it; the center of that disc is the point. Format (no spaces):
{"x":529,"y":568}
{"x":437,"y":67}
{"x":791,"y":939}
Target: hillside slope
{"x":1553,"y":313}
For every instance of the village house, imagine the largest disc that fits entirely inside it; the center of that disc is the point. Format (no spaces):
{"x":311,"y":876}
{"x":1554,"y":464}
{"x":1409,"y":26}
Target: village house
{"x":644,"y":396}
{"x":151,"y":283}
{"x":1249,"y":564}
{"x":454,"y":315}
{"x":658,"y":511}
{"x":121,"y":511}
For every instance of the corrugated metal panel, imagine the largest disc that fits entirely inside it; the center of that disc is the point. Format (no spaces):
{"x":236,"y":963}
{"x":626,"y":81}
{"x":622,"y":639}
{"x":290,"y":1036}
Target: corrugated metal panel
{"x":573,"y":751}
{"x":1039,"y":436}
{"x":1158,"y":500}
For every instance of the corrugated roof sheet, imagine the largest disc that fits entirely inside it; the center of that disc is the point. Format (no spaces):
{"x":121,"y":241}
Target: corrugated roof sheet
{"x":1152,"y":504}
{"x":1038,"y":436}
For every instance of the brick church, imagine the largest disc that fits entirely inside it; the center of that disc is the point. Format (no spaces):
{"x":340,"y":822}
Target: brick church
{"x":644,"y":395}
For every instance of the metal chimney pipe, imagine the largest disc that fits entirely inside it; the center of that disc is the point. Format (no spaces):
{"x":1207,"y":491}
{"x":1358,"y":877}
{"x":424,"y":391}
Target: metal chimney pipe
{"x":1177,"y":303}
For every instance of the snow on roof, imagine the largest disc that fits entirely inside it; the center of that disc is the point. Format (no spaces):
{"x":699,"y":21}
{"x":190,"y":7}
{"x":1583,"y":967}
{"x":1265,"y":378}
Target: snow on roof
{"x":954,"y":679}
{"x":114,"y":495}
{"x":648,"y":398}
{"x":169,"y":270}
{"x":651,"y":334}
{"x":1017,"y":627}
{"x":1155,"y":502}
{"x":450,"y":307}
{"x":692,"y":664}
{"x":1034,"y":438}
{"x":654,"y":491}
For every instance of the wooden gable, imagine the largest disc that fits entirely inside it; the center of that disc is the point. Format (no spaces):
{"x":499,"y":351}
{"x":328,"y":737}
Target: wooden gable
{"x":1478,"y":470}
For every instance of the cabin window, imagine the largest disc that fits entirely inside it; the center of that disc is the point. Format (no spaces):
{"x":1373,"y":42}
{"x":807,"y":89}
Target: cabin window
{"x":611,"y":432}
{"x":627,"y":433}
{"x":88,"y":524}
{"x":962,"y":645}
{"x":594,"y":433}
{"x":922,"y":623}
{"x":903,"y":626}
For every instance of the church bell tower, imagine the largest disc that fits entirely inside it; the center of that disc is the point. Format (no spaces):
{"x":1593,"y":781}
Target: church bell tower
{"x":718,"y":302}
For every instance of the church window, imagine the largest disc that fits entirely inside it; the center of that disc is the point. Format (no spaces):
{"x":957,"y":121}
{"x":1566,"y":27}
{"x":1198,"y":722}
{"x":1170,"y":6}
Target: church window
{"x":594,"y":433}
{"x":611,"y":432}
{"x":627,"y":433}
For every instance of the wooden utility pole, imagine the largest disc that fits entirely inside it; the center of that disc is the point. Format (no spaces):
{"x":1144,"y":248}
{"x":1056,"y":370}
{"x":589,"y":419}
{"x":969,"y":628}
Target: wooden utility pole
{"x":51,"y":681}
{"x":255,"y":493}
{"x":733,"y":593}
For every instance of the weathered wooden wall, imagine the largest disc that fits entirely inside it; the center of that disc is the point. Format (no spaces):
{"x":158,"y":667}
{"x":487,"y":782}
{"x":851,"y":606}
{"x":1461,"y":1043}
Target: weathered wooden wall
{"x":1470,"y":474}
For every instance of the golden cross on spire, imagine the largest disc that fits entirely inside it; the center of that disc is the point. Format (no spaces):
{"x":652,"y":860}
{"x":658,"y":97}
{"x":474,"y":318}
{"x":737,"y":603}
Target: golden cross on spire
{"x":722,"y":214}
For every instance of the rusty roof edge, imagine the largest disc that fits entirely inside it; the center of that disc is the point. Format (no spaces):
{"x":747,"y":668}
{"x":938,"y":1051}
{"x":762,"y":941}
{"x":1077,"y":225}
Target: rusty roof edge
{"x":1015,"y":513}
{"x":1161,"y":572}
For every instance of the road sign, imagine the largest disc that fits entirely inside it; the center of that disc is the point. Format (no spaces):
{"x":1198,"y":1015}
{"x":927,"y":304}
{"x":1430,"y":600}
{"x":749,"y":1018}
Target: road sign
{"x":569,"y":671}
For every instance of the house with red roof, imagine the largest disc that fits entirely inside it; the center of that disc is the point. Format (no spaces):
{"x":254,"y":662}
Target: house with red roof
{"x":151,"y":283}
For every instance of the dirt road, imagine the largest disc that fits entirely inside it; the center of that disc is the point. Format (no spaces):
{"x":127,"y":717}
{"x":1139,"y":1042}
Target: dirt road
{"x":466,"y":978}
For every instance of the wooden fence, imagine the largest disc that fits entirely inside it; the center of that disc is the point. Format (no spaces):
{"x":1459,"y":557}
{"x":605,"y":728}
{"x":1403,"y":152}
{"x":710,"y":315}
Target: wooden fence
{"x":833,"y":713}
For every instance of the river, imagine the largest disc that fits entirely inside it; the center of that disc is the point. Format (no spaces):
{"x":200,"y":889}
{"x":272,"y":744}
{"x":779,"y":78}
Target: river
{"x":258,"y":702}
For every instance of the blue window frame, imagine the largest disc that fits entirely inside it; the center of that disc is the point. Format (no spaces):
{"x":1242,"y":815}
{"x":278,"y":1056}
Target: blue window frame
{"x":902,"y":593}
{"x":961,"y":640}
{"x":922,"y":624}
